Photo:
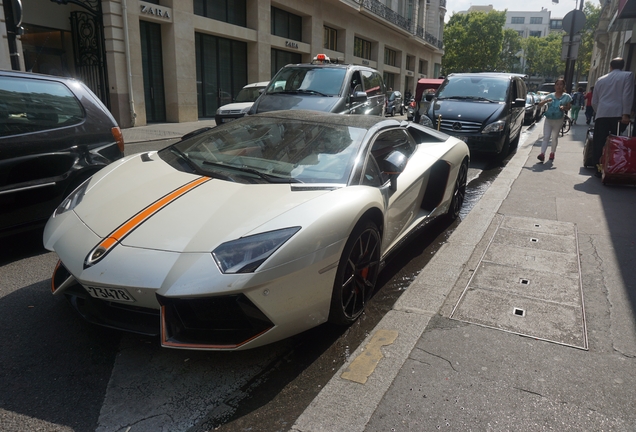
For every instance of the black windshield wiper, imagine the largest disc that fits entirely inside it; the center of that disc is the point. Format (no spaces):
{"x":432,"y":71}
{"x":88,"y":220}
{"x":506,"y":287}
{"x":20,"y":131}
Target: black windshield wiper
{"x":196,"y":168}
{"x":268,"y":177}
{"x":303,"y":91}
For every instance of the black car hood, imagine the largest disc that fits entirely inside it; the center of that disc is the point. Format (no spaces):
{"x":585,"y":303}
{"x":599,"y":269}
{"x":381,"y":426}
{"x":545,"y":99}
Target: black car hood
{"x":278,"y":102}
{"x":473,"y":111}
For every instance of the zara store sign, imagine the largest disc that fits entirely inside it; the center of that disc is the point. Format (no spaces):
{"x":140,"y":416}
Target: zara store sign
{"x":152,"y":10}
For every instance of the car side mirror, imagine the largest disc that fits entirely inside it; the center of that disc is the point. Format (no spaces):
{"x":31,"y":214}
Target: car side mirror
{"x":519,"y":103}
{"x":359,"y":97}
{"x":394,"y":164}
{"x":430,"y":96}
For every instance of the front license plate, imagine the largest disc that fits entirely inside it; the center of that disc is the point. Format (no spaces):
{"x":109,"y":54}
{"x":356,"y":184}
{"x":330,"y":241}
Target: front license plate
{"x":225,"y":120}
{"x":110,"y":294}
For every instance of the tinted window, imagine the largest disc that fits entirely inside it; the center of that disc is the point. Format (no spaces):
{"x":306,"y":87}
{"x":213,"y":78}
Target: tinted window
{"x":327,"y":81}
{"x":32,"y":105}
{"x":492,"y":88}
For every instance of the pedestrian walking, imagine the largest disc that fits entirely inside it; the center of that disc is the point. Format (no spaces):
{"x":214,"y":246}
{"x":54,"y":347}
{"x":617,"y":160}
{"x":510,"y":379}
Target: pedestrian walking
{"x":589,"y":111}
{"x":559,"y":104}
{"x":612,"y":101}
{"x":578,"y":100}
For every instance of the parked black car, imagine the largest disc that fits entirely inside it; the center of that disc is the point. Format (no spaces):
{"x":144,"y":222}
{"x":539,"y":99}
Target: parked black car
{"x":54,"y":134}
{"x":394,"y":103}
{"x":486,"y":110}
{"x":324,"y":86}
{"x":533,"y":110}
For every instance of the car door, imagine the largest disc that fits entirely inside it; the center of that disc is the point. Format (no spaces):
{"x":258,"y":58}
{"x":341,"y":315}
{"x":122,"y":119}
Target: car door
{"x":401,"y":204}
{"x":517,"y":91}
{"x":37,"y":137}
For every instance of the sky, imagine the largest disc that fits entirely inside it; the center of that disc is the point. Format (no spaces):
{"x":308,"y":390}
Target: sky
{"x":556,"y":10}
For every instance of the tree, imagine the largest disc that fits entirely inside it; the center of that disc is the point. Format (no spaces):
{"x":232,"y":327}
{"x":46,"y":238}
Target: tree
{"x":473,"y":42}
{"x":510,"y":50}
{"x":543,"y":56}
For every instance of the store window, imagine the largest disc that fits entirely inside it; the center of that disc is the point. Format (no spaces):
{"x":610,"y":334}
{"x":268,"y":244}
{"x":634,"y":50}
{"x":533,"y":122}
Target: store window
{"x":221,"y":71}
{"x":47,"y":51}
{"x":389,"y":80}
{"x":282,"y":58}
{"x":229,"y":11}
{"x":286,"y":24}
{"x":330,"y":39}
{"x":362,"y":48}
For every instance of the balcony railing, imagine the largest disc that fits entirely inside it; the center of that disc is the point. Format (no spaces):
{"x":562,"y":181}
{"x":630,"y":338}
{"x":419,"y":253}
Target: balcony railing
{"x":393,"y":17}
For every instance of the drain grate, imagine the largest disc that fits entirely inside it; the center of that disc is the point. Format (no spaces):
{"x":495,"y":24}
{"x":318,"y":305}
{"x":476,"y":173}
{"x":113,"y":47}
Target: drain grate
{"x":551,"y":306}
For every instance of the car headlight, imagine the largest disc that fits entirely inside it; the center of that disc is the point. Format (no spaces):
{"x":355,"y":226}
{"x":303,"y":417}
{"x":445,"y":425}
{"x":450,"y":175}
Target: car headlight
{"x":425,"y":121}
{"x":71,"y":201}
{"x":246,"y":254}
{"x":498,"y":126}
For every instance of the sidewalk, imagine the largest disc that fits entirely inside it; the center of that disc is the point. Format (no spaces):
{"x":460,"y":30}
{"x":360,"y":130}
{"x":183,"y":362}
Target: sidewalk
{"x":163,"y":131}
{"x":524,"y":320}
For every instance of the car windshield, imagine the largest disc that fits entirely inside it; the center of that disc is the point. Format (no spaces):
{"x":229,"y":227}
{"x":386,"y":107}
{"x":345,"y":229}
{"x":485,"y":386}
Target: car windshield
{"x":474,"y":87}
{"x":274,"y":150}
{"x":321,"y":81}
{"x":249,"y":94}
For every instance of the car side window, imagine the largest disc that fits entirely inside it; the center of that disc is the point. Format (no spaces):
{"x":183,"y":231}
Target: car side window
{"x":387,"y":142}
{"x":372,"y":83}
{"x":28,"y":105}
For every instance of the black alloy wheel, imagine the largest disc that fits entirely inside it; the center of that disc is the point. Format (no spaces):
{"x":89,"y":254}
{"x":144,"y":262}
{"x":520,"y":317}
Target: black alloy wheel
{"x":357,"y":274}
{"x":459,"y":193}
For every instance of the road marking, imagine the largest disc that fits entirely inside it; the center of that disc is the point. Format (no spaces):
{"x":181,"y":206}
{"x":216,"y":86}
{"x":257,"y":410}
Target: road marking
{"x":363,"y":366}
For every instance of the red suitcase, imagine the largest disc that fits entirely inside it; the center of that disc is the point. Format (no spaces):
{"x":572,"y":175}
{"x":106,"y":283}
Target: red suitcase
{"x":619,"y":160}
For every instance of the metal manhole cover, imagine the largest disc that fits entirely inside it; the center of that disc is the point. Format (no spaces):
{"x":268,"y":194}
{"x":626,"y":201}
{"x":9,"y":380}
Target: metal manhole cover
{"x":528,"y":282}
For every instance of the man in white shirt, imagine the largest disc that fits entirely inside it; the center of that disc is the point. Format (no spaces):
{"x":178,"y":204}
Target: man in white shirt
{"x":612,"y":101}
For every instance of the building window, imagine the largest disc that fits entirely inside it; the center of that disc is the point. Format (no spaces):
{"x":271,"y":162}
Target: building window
{"x":330,"y":38}
{"x":536,"y":20}
{"x":423,"y":67}
{"x":229,"y":11}
{"x":286,"y":24}
{"x":521,"y":33}
{"x":282,"y":58}
{"x":535,"y":33}
{"x":517,"y":20}
{"x":437,"y":69}
{"x":362,"y":48}
{"x":410,"y":63}
{"x":556,"y":24}
{"x":390,"y":57}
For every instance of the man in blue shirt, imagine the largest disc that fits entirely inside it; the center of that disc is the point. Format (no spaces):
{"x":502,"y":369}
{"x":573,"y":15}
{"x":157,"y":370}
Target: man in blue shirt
{"x":612,"y":101}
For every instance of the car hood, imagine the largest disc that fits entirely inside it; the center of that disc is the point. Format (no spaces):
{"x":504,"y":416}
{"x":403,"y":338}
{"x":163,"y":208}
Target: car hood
{"x":278,"y":102}
{"x":211,"y":213}
{"x":236,"y":106}
{"x":472,"y":111}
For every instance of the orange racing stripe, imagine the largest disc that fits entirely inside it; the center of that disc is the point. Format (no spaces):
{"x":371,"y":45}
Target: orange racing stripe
{"x":127,"y":227}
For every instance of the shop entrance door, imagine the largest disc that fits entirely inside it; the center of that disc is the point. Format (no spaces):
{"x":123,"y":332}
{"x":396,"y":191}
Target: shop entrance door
{"x":152,"y":64}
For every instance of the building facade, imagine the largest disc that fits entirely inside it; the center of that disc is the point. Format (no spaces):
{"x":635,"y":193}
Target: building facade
{"x":614,"y":37}
{"x":178,"y":61}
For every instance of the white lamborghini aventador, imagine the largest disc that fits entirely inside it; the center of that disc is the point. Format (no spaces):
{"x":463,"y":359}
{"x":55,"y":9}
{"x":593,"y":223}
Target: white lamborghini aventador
{"x":253,"y":231}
